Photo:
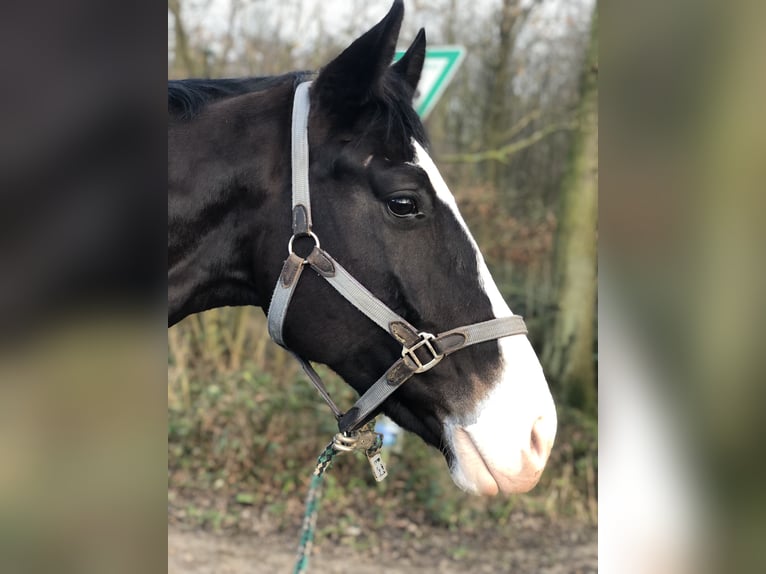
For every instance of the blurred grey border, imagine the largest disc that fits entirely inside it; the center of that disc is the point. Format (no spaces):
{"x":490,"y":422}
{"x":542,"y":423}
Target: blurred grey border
{"x":682,"y":278}
{"x":82,"y":286}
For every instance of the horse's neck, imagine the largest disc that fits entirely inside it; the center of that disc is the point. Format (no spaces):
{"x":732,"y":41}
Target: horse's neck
{"x":220,"y":195}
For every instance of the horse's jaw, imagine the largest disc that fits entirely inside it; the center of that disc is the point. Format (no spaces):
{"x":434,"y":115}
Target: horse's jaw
{"x":502,"y":446}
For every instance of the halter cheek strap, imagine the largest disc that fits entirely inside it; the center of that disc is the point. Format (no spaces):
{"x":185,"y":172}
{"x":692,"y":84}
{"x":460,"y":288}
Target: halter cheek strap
{"x":421,"y":351}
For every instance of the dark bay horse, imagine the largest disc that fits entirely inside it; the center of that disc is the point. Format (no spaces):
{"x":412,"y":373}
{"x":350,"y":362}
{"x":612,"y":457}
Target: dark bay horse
{"x":383,"y":210}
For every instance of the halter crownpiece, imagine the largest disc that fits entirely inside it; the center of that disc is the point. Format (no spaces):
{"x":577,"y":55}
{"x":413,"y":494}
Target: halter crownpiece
{"x":421,"y":351}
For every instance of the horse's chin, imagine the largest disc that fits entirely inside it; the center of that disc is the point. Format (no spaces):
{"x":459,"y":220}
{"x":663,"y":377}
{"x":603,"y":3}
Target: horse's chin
{"x":476,"y":473}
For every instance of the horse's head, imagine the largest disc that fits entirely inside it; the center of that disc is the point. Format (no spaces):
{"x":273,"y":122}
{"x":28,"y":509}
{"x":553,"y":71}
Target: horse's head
{"x":382,"y":209}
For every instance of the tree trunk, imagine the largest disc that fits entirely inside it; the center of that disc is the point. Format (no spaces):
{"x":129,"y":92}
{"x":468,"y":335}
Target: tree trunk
{"x":184,"y":62}
{"x":497,"y":114}
{"x":569,"y":352}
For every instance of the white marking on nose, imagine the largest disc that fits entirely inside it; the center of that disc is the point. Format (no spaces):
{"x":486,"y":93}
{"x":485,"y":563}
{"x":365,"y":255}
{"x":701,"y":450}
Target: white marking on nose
{"x":504,"y":443}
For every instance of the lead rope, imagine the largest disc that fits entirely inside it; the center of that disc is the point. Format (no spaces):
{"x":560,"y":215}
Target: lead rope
{"x":312,"y":507}
{"x":366,"y":440}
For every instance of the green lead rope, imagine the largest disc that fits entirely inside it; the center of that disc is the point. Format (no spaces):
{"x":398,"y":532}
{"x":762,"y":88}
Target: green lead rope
{"x":312,"y":507}
{"x":366,"y":440}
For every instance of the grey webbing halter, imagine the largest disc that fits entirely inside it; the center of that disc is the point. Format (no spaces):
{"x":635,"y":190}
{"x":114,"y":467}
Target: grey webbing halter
{"x":420,"y":351}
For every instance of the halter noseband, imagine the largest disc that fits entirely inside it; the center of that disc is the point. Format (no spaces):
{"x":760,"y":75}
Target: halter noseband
{"x":421,"y":351}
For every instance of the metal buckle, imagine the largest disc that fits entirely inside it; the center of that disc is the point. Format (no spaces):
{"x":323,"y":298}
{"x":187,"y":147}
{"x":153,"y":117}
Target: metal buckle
{"x":425,"y":341}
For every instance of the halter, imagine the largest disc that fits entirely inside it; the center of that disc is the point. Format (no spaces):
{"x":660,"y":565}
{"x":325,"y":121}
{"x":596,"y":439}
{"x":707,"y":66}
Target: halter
{"x":421,"y":351}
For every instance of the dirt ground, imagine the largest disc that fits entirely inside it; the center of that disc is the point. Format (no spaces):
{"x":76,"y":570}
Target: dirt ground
{"x":534,"y":546}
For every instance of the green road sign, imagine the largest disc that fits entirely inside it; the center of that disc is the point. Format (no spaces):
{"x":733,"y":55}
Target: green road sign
{"x":439,"y":68}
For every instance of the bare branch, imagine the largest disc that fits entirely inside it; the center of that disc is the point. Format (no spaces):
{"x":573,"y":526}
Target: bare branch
{"x":182,"y":50}
{"x":504,"y":153}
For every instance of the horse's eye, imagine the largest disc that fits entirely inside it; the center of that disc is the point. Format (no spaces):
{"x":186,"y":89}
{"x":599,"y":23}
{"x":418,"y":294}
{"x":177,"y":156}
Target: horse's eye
{"x":402,"y":206}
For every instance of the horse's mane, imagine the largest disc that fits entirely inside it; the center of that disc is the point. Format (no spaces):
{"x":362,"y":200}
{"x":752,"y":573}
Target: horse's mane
{"x":186,"y":98}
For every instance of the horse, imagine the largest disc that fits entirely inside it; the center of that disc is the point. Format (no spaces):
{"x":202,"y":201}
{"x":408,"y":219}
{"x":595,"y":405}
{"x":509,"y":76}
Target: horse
{"x":380,"y":206}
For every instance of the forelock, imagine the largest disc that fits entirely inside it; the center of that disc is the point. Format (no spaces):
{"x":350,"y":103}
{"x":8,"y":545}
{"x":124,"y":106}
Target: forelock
{"x":395,"y":117}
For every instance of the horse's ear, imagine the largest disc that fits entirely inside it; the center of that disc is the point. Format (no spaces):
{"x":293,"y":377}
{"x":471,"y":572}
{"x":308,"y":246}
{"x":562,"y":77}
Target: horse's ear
{"x":410,"y":65}
{"x":351,"y":78}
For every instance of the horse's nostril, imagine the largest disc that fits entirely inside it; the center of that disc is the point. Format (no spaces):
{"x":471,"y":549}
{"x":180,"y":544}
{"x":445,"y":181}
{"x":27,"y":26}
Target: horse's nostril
{"x":539,"y":444}
{"x":535,"y":442}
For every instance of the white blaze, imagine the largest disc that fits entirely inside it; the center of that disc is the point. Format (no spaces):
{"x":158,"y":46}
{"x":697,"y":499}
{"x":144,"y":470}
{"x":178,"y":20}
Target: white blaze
{"x":494,"y":445}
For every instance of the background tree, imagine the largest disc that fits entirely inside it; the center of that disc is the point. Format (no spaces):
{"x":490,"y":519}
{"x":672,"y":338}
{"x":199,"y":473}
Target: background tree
{"x":569,"y":349}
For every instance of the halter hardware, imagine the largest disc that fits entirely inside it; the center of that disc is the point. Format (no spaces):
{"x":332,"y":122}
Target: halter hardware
{"x":366,"y":439}
{"x":425,"y":341}
{"x":309,"y":234}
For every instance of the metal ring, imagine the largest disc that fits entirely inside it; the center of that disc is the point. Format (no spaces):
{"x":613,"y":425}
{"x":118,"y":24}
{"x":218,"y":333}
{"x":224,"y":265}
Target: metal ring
{"x":344,"y":443}
{"x":307,"y":234}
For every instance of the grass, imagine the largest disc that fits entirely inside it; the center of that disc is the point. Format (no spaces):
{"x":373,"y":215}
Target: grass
{"x":245,"y":428}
